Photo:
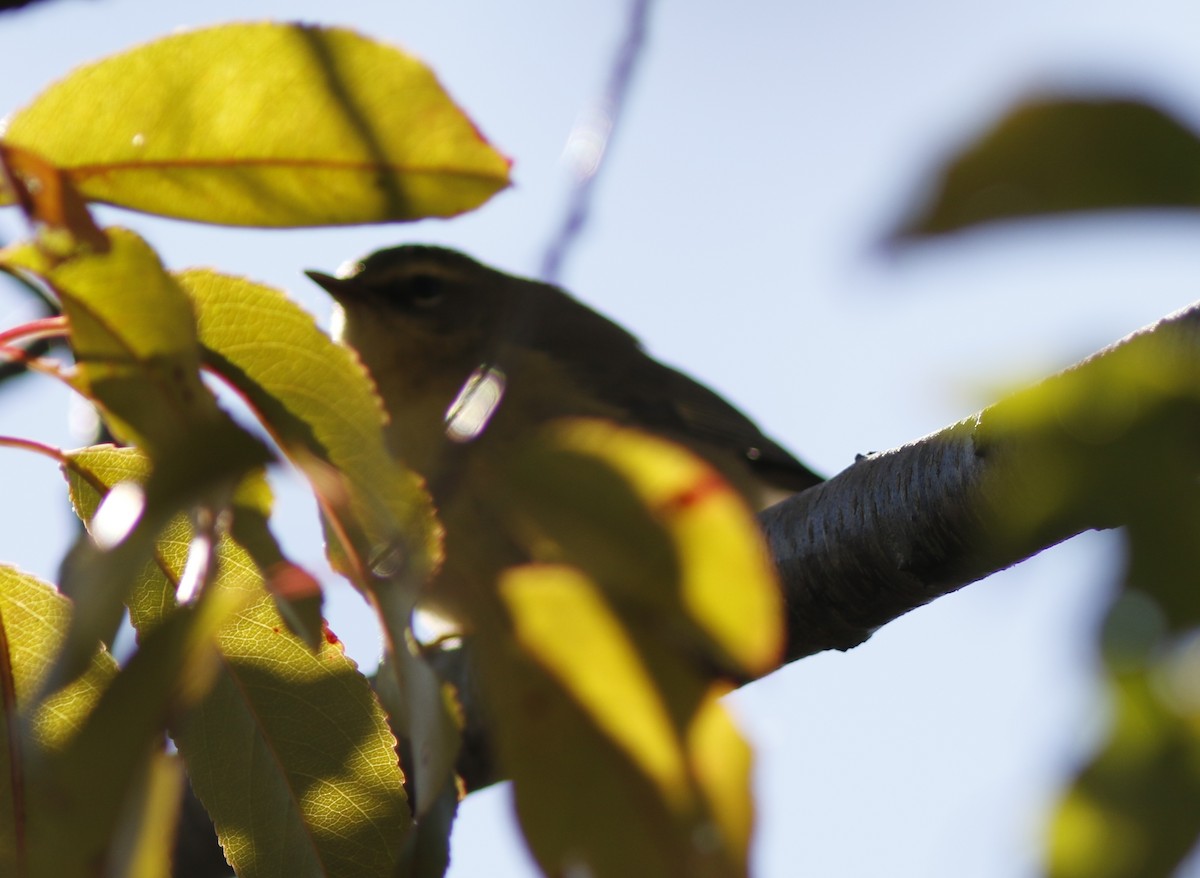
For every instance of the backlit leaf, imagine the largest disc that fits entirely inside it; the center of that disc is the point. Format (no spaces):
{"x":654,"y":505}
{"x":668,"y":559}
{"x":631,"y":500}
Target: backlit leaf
{"x":50,"y":201}
{"x":133,"y":332}
{"x":617,"y":760}
{"x":714,"y":573}
{"x":288,"y":750}
{"x":607,"y":678}
{"x":146,"y":831}
{"x":263,"y":124}
{"x":564,"y":624}
{"x":316,"y":399}
{"x":96,"y":782}
{"x":1132,"y":812}
{"x":33,"y":622}
{"x":1113,"y":441}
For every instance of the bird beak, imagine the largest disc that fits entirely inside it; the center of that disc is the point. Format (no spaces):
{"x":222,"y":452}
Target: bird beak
{"x":338,"y":287}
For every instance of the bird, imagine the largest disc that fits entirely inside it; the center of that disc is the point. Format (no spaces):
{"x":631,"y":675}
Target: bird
{"x":470,"y":361}
{"x":470,"y":364}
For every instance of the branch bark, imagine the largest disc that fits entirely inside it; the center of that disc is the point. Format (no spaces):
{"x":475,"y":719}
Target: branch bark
{"x":900,"y":528}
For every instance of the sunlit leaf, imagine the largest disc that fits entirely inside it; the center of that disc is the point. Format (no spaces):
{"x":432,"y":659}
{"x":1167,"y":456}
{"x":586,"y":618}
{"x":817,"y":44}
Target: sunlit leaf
{"x":611,"y":775}
{"x":317,"y":400}
{"x":133,"y":334}
{"x":608,"y":677}
{"x":564,"y":624}
{"x":1113,"y":442}
{"x":296,"y":592}
{"x":1054,"y":156}
{"x":721,"y":762}
{"x":264,"y":124}
{"x":97,"y":780}
{"x":315,"y":397}
{"x":712,"y":575}
{"x":327,"y":801}
{"x":33,"y":623}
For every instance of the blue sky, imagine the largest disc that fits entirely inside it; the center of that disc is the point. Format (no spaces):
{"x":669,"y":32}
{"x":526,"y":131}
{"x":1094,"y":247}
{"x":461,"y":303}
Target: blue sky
{"x":766,"y":150}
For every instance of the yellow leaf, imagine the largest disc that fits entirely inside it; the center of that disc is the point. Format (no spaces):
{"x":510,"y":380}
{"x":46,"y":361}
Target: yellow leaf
{"x":561,"y":620}
{"x":288,"y":749}
{"x":263,"y":124}
{"x":133,"y":334}
{"x":721,"y":762}
{"x":727,"y":584}
{"x":608,"y":780}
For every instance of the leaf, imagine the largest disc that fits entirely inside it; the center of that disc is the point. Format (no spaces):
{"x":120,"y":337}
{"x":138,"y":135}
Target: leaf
{"x":1063,"y":155}
{"x":607,"y":677}
{"x":1113,"y":442}
{"x":712,"y":575}
{"x":1105,"y":443}
{"x":263,"y":124}
{"x":146,"y":830}
{"x":613,"y":775}
{"x":564,"y":624}
{"x":318,"y":403}
{"x":292,"y":758}
{"x":1132,"y":811}
{"x":133,"y":334}
{"x":95,"y":783}
{"x":49,"y":200}
{"x":33,"y":624}
{"x":426,"y":715}
{"x":296,"y":592}
{"x":289,"y":750}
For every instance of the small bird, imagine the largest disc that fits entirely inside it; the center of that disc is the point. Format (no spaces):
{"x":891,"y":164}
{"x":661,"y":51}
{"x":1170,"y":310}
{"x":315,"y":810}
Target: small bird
{"x":428,"y":322}
{"x":470,"y":362}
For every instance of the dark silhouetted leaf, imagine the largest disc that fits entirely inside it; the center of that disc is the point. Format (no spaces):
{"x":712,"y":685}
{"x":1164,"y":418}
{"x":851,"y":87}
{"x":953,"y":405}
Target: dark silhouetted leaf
{"x":1055,"y":156}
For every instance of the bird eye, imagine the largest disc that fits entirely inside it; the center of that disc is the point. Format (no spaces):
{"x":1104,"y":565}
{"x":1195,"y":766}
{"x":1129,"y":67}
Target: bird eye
{"x":425,"y":290}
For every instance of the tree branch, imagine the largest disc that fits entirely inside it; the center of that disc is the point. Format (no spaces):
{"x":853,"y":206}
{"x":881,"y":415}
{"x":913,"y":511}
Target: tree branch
{"x":900,"y":528}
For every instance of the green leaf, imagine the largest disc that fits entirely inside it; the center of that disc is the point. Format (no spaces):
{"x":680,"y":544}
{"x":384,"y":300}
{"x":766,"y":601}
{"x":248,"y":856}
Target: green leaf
{"x":563,"y":622}
{"x":145,"y":835}
{"x":289,"y":750}
{"x":1132,"y":811}
{"x":133,"y":335}
{"x":296,"y":592}
{"x":319,"y":404}
{"x":95,"y":783}
{"x":1112,"y":442}
{"x":1054,"y":156}
{"x":660,"y":528}
{"x":1105,"y":444}
{"x":607,"y":678}
{"x":264,"y":124}
{"x":33,"y":623}
{"x":622,"y":761}
{"x":50,"y":202}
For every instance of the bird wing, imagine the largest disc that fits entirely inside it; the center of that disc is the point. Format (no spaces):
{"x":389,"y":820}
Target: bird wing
{"x":675,"y":403}
{"x":610,"y":362}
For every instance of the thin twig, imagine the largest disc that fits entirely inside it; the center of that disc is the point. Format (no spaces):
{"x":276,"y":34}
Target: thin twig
{"x":591,"y":137}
